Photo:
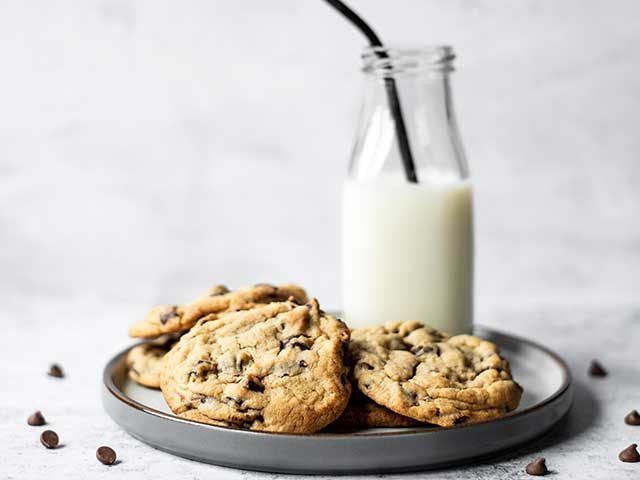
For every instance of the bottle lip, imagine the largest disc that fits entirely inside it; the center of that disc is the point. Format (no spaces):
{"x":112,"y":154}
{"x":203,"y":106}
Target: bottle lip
{"x":396,"y":60}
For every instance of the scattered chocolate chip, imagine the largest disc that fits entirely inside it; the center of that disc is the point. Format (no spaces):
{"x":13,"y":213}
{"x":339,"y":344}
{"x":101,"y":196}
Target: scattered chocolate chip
{"x":166,"y":316}
{"x":36,"y":419}
{"x":632,"y":418}
{"x":630,"y":454}
{"x":106,"y":455}
{"x":597,"y":370}
{"x":302,"y":364}
{"x":49,"y":439}
{"x":538,"y":467}
{"x":55,"y":370}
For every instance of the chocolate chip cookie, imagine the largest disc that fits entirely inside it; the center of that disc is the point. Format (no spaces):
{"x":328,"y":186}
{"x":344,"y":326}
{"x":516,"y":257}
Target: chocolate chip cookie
{"x":165,"y":319}
{"x":424,"y":374}
{"x":277,"y":367}
{"x":144,"y":361}
{"x":362,"y":412}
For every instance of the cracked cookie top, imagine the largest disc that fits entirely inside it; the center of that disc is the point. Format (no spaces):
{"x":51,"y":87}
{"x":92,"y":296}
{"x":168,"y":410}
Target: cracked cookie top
{"x":422,"y":373}
{"x":278,"y":367}
{"x":164,"y":319}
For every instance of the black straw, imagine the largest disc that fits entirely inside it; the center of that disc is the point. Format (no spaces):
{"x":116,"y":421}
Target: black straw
{"x":390,"y":87}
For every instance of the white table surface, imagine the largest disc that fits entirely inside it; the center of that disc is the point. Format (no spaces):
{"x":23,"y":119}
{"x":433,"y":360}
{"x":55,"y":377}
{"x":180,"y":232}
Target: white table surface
{"x":149,"y":149}
{"x":585,"y":447}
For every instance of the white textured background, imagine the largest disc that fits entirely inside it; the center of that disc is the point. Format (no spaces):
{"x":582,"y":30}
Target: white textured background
{"x":151,"y":148}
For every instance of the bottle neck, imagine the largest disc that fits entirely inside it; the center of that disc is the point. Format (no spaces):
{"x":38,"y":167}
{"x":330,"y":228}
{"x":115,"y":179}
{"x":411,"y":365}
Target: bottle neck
{"x":395,"y":62}
{"x":421,"y":78}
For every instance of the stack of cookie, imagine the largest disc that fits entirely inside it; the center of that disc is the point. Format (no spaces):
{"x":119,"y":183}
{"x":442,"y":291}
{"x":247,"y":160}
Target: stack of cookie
{"x":265,"y":358}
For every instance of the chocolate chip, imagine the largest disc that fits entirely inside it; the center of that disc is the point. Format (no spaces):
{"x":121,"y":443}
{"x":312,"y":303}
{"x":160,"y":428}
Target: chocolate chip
{"x":597,"y":370}
{"x":106,"y":455}
{"x":460,"y":420}
{"x":412,"y":396}
{"x":344,"y":350}
{"x":243,"y":359}
{"x":49,"y":439}
{"x":166,"y":316}
{"x":237,"y":403}
{"x":55,"y":370}
{"x":538,"y":467}
{"x":295,"y":341}
{"x":302,"y":364}
{"x":36,"y":419}
{"x":202,"y":369}
{"x":254,"y":385}
{"x":218,"y":290}
{"x":630,"y":454}
{"x":632,"y":418}
{"x":422,"y":349}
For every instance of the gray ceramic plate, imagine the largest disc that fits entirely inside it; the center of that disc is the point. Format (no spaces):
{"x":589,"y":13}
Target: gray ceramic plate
{"x":547,"y":398}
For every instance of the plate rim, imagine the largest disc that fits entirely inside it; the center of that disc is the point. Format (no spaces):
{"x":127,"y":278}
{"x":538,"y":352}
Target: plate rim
{"x":114,"y":390}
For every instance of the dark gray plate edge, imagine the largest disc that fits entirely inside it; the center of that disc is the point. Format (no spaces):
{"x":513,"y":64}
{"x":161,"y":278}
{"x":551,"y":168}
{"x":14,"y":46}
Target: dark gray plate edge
{"x":367,"y":471}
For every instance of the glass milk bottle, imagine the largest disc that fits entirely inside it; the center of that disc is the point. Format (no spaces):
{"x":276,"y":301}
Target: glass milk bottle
{"x":408,"y":244}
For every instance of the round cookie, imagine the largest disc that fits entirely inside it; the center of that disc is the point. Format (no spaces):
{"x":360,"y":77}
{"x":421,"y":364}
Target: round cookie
{"x":362,"y":412}
{"x":424,"y":374}
{"x":277,"y":367}
{"x":165,"y":319}
{"x":144,"y":361}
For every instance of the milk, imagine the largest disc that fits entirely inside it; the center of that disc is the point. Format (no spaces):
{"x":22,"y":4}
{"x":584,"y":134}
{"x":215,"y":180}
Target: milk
{"x":408,"y":252}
